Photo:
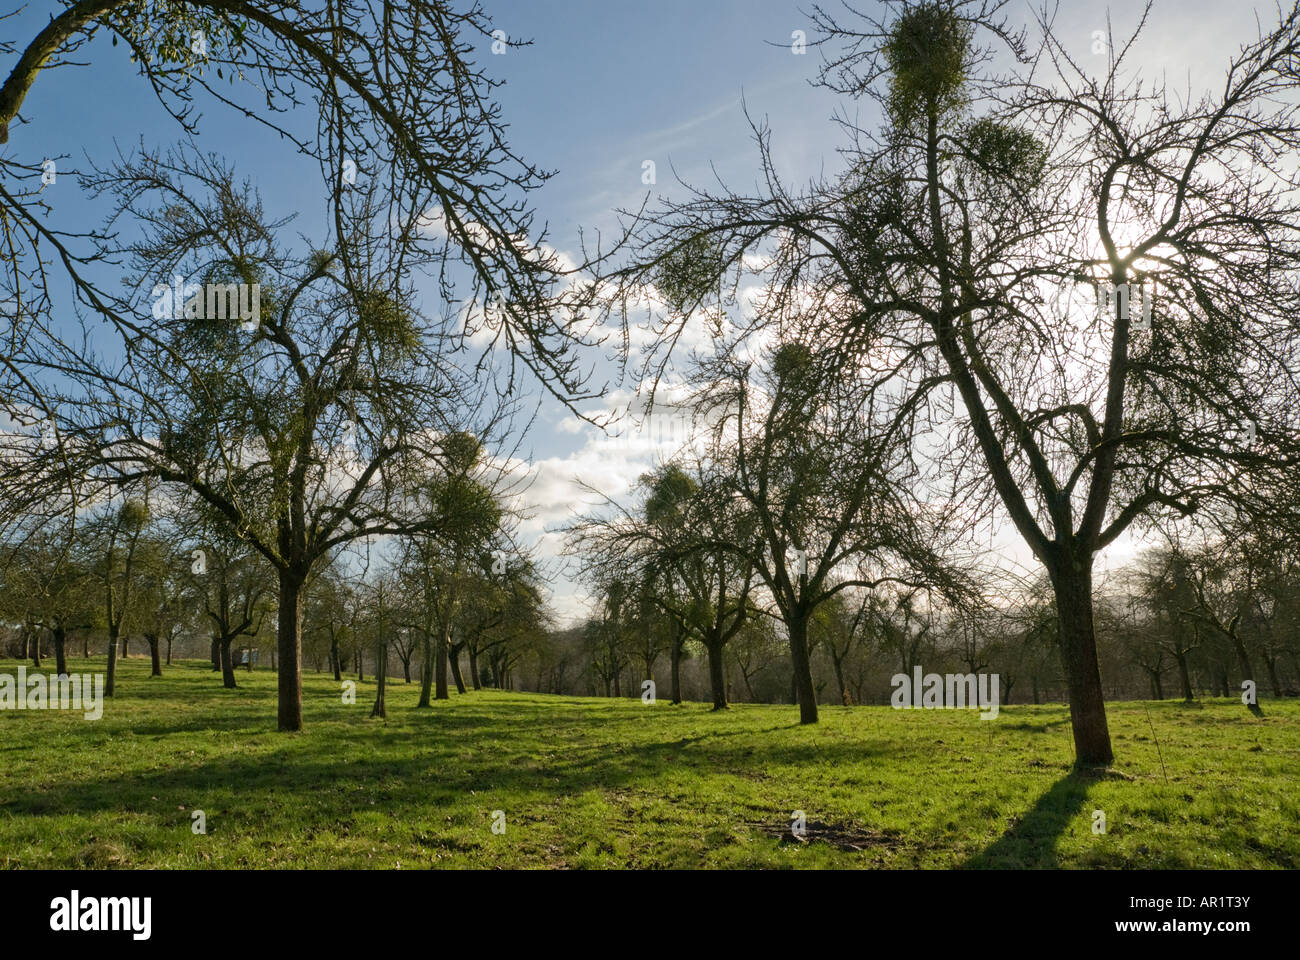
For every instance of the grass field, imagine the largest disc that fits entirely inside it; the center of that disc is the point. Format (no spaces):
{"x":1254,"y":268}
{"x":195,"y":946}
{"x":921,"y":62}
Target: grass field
{"x":613,"y":784}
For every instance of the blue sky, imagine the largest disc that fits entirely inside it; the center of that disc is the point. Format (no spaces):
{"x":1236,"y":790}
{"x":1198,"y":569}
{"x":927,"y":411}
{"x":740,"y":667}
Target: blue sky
{"x":604,"y":87}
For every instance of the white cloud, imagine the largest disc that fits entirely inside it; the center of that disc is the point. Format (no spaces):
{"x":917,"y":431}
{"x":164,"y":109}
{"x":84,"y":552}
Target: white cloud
{"x":607,"y":465}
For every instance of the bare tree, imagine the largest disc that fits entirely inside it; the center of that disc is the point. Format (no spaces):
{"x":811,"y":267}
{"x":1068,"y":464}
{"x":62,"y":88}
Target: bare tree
{"x":422,"y":180}
{"x":46,"y":582}
{"x":686,"y":525}
{"x":118,"y":533}
{"x":825,"y":482}
{"x":307,"y":426}
{"x":234,"y":583}
{"x":938,"y":256}
{"x":847,"y":633}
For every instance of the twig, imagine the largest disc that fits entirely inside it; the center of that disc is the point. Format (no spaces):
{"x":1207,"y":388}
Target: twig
{"x":1157,"y":740}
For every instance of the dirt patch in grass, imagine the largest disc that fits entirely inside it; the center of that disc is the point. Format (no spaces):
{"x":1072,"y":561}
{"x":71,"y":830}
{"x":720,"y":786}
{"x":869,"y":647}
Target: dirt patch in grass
{"x":101,"y":855}
{"x":842,"y":835}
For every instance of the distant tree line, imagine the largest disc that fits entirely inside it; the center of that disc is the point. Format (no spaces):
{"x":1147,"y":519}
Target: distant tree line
{"x":1179,"y":622}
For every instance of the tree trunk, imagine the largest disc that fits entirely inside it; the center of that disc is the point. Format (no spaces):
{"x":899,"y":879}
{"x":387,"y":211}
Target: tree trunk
{"x":36,"y":649}
{"x":440,"y":674}
{"x":85,"y":645}
{"x":335,"y":656}
{"x":109,"y":680}
{"x":1271,"y":664}
{"x":717,"y":678}
{"x":839,"y":680}
{"x":454,"y":659}
{"x":381,"y":676}
{"x":290,"y":643}
{"x":1221,"y":688}
{"x":749,"y":688}
{"x":216,"y":654}
{"x":1072,"y":582}
{"x":227,"y":666}
{"x":474,"y":677}
{"x":1247,"y":669}
{"x":426,"y":671}
{"x":798,"y":628}
{"x":155,"y":657}
{"x":60,"y":651}
{"x":126,"y":642}
{"x":169,"y":649}
{"x":677,"y":671}
{"x":1184,"y":676}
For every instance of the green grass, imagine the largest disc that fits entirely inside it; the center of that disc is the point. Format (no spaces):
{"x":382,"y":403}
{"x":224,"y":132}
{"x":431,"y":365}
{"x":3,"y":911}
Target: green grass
{"x":600,"y":783}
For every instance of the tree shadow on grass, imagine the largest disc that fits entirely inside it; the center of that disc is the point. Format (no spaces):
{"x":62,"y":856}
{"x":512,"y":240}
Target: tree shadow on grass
{"x":1030,"y":842}
{"x":408,"y":770}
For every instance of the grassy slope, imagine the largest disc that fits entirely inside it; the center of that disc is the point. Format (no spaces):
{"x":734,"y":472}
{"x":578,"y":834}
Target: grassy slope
{"x":599,"y":783}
